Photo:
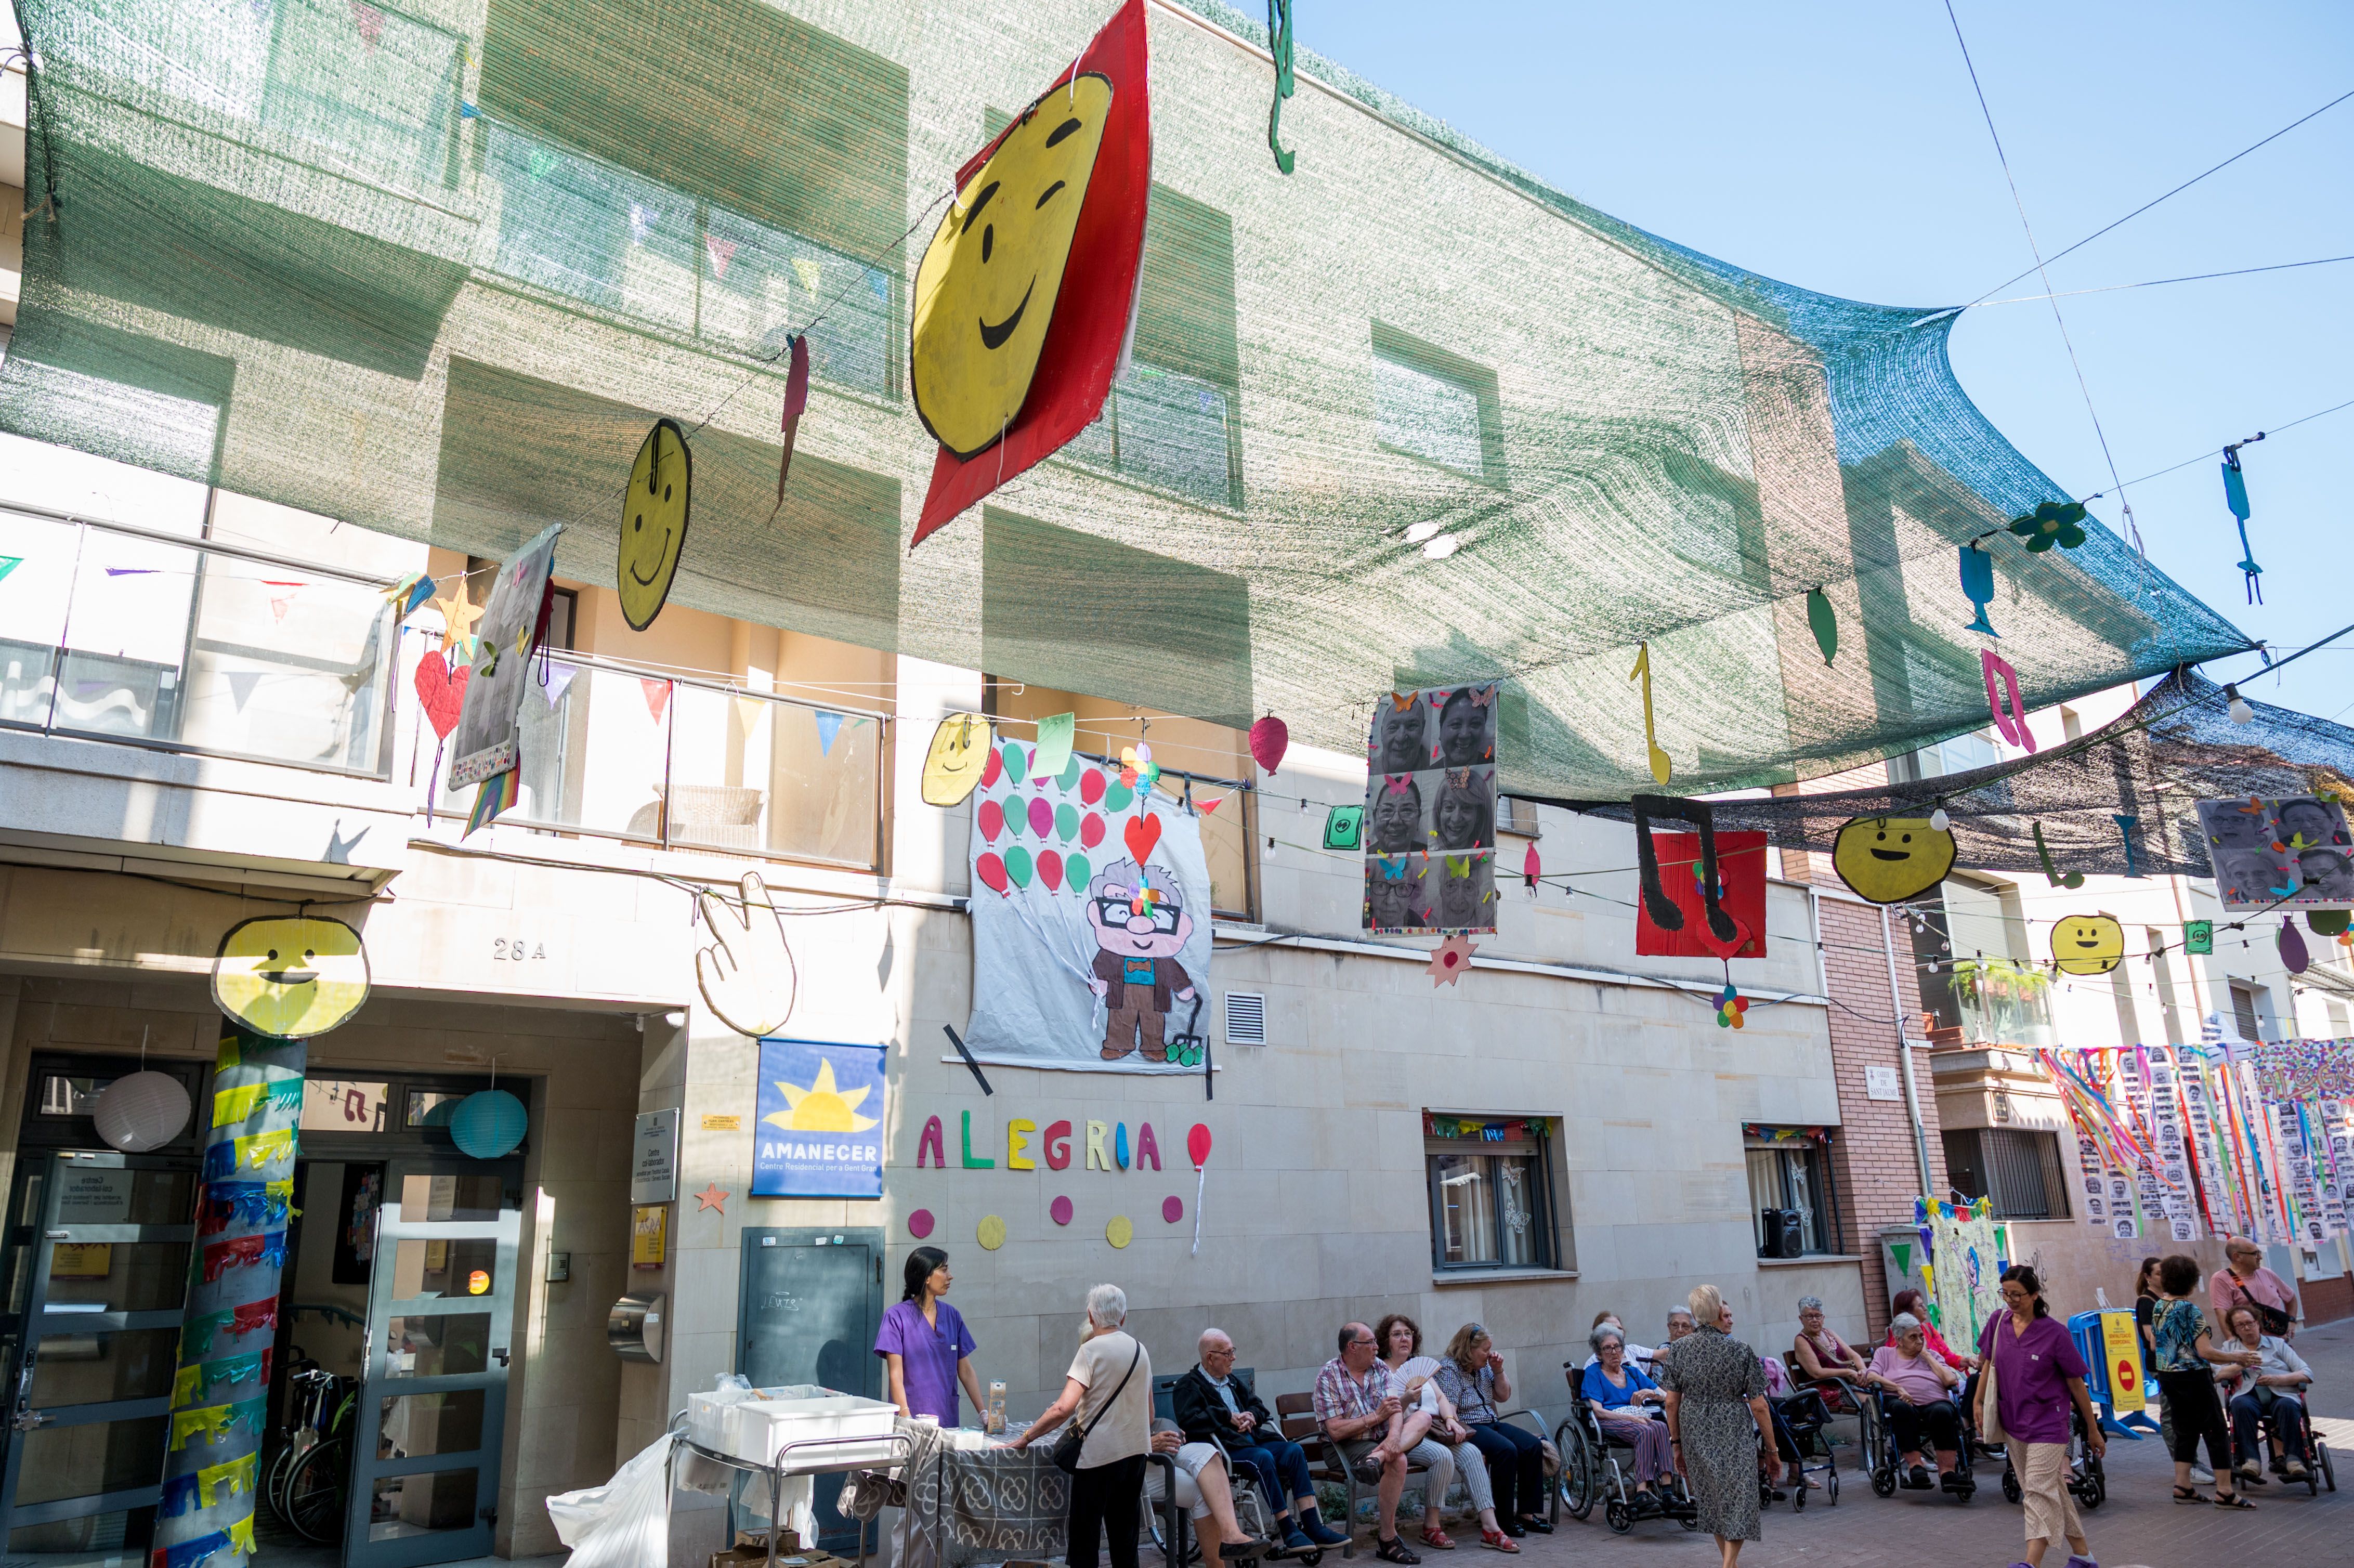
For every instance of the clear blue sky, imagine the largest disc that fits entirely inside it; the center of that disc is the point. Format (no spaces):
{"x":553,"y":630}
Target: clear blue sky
{"x":1840,"y":147}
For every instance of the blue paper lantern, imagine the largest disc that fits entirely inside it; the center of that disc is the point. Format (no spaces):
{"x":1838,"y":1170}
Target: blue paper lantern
{"x":489,"y":1124}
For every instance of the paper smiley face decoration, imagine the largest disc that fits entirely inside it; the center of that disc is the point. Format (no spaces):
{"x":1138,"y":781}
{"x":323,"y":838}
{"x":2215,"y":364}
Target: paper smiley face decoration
{"x":2088,"y":944}
{"x":986,"y":288}
{"x":653,"y":523}
{"x":961,"y":748}
{"x":291,"y":978}
{"x":1890,"y":859}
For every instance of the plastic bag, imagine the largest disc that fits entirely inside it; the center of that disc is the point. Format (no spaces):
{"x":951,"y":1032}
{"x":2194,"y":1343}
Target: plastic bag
{"x":625,"y":1523}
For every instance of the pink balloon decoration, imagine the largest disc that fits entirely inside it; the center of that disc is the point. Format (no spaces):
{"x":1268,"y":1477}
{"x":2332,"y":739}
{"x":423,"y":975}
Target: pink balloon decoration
{"x":1050,"y":870}
{"x":992,"y":821}
{"x":1041,"y":818}
{"x":1091,"y":786}
{"x":991,"y":869}
{"x":1091,"y":830}
{"x":1059,"y":1210}
{"x":1269,"y":739}
{"x":1172,"y":1208}
{"x":1197,"y":1144}
{"x":919,"y":1223}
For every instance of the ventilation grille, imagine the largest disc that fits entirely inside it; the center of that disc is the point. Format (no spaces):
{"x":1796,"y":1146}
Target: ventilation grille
{"x":1245,"y":1018}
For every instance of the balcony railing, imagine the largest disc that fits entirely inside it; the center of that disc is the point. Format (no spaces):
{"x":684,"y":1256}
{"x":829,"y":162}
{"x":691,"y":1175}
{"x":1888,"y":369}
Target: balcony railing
{"x":614,"y":751}
{"x":2003,"y":1003}
{"x":143,"y":637}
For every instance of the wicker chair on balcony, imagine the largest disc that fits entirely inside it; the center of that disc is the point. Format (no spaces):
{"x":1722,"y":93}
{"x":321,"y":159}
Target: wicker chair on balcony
{"x":719,"y":816}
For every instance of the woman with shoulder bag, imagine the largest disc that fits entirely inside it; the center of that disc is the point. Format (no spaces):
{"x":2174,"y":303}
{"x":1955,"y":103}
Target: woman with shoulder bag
{"x":2030,"y":1377}
{"x":1109,"y":1389}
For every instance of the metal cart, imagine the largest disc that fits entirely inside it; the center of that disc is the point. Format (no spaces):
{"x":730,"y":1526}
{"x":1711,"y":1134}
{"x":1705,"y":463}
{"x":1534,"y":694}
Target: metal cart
{"x":776,"y":1470}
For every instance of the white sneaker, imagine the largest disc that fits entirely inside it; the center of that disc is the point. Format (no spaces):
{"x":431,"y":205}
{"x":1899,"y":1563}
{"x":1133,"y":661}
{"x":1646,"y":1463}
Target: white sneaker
{"x":2201,"y":1476}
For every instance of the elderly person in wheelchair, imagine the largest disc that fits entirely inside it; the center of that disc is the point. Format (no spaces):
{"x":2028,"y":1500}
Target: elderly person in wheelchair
{"x":1918,"y":1389}
{"x":2270,"y":1393}
{"x":1206,"y":1493}
{"x":1623,"y":1399}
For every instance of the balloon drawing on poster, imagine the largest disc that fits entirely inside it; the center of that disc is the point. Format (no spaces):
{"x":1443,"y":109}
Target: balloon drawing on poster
{"x":1091,"y":921}
{"x":2292,"y":853}
{"x":1430,"y":811}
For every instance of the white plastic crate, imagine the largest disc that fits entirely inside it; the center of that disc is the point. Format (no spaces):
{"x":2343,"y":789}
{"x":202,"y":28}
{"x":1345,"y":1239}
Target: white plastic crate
{"x":842,"y":1429}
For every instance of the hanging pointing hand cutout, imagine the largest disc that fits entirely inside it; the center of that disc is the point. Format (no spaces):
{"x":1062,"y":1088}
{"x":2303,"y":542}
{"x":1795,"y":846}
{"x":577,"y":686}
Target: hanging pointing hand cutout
{"x":747,"y":974}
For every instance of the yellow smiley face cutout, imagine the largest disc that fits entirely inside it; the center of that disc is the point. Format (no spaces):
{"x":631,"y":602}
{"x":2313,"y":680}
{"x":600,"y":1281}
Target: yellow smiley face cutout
{"x":960,"y":751}
{"x":1890,"y":859}
{"x":986,"y":288}
{"x":653,"y":523}
{"x":2088,"y":944}
{"x":291,"y":978}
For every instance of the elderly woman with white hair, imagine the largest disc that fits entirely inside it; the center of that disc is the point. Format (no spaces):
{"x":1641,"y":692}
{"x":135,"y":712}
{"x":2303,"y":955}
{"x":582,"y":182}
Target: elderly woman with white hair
{"x":1716,"y":1418}
{"x":1923,"y":1384}
{"x":1109,"y":1389}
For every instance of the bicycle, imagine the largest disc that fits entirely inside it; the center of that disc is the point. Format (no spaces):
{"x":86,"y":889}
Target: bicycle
{"x":306,"y":1486}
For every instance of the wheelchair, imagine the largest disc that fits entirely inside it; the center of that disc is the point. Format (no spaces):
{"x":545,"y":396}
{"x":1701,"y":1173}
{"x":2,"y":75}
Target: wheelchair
{"x":1807,"y":1417}
{"x":2318,"y":1471}
{"x":2088,"y":1481}
{"x":1887,"y":1475}
{"x":1592,"y":1470}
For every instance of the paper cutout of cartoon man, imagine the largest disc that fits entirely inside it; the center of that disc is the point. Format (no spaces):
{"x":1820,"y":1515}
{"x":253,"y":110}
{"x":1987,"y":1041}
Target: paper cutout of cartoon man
{"x":1141,"y":925}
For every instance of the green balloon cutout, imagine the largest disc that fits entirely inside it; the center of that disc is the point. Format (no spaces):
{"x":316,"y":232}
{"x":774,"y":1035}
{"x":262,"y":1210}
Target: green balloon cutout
{"x":1068,"y":779}
{"x":1825,"y":622}
{"x":1077,"y":873}
{"x":1017,"y":815}
{"x":1017,"y":766}
{"x":1017,"y":865}
{"x":1117,"y":796}
{"x":1067,"y":821}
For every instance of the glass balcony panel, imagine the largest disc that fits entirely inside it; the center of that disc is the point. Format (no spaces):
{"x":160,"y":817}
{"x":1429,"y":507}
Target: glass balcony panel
{"x":2003,"y":1003}
{"x":1172,"y":433}
{"x":594,"y":746}
{"x":758,"y":775}
{"x":287,"y":666}
{"x":126,"y":636}
{"x":379,"y":89}
{"x":37,"y":573}
{"x":760,"y":284}
{"x":588,"y":230}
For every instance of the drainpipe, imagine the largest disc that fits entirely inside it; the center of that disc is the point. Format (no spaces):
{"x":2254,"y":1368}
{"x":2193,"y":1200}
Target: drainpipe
{"x":1904,"y":1057}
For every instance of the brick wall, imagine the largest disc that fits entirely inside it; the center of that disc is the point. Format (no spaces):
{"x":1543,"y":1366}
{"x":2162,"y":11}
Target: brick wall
{"x":1872,"y":1158}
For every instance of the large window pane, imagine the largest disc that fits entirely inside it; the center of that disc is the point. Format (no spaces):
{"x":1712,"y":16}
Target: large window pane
{"x":1519,"y":1206}
{"x":1427,"y":414}
{"x":1466,"y":1209}
{"x":377,"y":88}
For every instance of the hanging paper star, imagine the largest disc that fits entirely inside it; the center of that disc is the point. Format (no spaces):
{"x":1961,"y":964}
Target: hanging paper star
{"x":1451,"y":958}
{"x":458,"y":615}
{"x":710,"y":1197}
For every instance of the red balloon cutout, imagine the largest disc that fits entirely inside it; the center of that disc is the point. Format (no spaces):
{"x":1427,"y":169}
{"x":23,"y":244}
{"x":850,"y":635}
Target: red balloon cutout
{"x":1050,"y":870}
{"x":1269,"y":739}
{"x":993,"y":769}
{"x":992,"y":821}
{"x":1091,"y":829}
{"x":1091,"y":786}
{"x":1197,"y":1144}
{"x":991,"y":869}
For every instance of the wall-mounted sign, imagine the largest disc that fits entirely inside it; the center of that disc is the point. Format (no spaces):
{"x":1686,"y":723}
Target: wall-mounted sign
{"x":649,"y":1236}
{"x":819,"y":1133}
{"x":95,"y":1197}
{"x":1881,"y":1083}
{"x":654,"y":1168}
{"x":723,"y":1124}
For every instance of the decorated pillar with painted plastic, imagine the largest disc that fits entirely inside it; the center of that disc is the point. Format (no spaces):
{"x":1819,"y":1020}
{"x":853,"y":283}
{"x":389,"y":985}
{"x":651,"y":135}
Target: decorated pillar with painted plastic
{"x":220,"y":1397}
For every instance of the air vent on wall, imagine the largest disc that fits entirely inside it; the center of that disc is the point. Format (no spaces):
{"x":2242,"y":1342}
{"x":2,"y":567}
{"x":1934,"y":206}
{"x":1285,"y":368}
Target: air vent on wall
{"x":1245,"y":1018}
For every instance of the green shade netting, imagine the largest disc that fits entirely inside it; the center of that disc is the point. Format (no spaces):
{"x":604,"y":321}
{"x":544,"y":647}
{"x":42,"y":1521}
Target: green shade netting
{"x":1405,"y":417}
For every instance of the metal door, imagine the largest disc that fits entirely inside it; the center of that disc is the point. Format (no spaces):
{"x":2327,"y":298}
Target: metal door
{"x":432,"y":1409}
{"x":812,"y":1301}
{"x":107,"y":1237}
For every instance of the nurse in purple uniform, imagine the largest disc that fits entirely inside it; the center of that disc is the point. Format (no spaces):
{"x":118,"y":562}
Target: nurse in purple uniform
{"x":925,"y":1345}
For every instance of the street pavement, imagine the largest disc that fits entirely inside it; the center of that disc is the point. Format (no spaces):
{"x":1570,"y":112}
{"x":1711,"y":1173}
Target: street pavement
{"x":2140,"y":1525}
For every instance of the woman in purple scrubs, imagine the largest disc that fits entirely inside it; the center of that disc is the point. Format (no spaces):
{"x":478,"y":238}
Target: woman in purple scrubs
{"x":925,"y":1345}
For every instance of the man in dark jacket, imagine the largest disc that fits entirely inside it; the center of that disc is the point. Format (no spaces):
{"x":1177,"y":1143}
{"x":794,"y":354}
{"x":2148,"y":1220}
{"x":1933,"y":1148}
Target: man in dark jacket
{"x":1214,"y":1404}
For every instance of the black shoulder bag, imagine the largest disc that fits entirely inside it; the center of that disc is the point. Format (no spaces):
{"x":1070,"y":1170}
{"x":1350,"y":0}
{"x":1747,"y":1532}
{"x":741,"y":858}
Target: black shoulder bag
{"x":1074,"y":1436}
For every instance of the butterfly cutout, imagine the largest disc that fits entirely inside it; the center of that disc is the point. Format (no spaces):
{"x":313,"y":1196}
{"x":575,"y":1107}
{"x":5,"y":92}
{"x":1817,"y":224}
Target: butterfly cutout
{"x":1391,"y":871}
{"x":1458,"y":777}
{"x":1458,"y":866}
{"x":1400,"y":701}
{"x":1482,"y":695}
{"x":1399,"y":783}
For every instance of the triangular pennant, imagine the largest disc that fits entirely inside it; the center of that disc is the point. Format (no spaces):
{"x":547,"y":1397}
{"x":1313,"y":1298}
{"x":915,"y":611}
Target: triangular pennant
{"x":828,"y":726}
{"x":748,"y":714}
{"x":657,"y":695}
{"x":1904,"y":1251}
{"x":240,"y":687}
{"x":9,"y":564}
{"x":722,"y":251}
{"x":810,"y":272}
{"x":369,"y":21}
{"x":559,"y":680}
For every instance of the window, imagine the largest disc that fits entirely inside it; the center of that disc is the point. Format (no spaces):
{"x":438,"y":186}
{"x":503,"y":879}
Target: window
{"x":2338,"y":1027}
{"x":1790,"y":1190}
{"x":1490,"y":1192}
{"x":1436,"y":406}
{"x":2245,"y":1015}
{"x":2017,"y":1169}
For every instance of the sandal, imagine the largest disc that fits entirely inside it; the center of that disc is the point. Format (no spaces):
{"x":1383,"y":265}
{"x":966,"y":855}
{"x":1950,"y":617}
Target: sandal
{"x":2189,"y":1494}
{"x":1436,"y":1540}
{"x":2235,"y":1500}
{"x":1393,"y":1551}
{"x":1496,"y":1541}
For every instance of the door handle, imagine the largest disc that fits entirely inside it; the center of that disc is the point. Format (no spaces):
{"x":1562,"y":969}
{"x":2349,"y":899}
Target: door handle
{"x":57,"y":1236}
{"x":27,"y":1419}
{"x":502,"y":1354}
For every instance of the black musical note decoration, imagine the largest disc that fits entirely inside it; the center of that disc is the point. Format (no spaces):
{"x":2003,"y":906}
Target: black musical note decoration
{"x":1661,"y":908}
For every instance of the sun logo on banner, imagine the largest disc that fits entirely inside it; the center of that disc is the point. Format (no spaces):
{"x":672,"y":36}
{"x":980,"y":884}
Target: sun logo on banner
{"x":821,"y":1106}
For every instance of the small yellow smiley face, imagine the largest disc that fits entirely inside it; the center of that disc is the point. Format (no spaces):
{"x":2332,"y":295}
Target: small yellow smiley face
{"x":290,"y":978}
{"x":2088,"y":944}
{"x":653,"y":523}
{"x":985,"y":290}
{"x":961,"y":748}
{"x":1891,"y":859}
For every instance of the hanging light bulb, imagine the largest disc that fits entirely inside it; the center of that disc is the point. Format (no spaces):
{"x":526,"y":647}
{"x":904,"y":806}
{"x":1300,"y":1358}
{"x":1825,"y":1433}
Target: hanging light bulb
{"x":2240,"y":711}
{"x":1939,"y":822}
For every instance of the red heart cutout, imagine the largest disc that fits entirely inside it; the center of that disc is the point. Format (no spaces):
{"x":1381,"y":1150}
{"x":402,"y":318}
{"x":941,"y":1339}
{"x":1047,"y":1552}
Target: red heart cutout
{"x":1699,"y":928}
{"x":442,"y":691}
{"x":1142,"y":832}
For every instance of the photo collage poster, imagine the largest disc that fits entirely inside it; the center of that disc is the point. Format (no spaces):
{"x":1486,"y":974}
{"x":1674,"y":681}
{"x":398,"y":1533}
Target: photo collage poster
{"x":2293,"y":853}
{"x":1430,"y":811}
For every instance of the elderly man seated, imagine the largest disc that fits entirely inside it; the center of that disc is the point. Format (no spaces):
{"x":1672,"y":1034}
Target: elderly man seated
{"x":1216,"y":1403}
{"x":1359,"y":1413}
{"x":1923,"y":1385}
{"x":1818,"y":1355}
{"x":2271,"y":1393}
{"x":1204,"y":1493}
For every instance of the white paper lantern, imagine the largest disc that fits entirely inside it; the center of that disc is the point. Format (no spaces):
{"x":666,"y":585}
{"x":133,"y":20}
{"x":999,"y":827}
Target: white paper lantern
{"x":143,"y":1111}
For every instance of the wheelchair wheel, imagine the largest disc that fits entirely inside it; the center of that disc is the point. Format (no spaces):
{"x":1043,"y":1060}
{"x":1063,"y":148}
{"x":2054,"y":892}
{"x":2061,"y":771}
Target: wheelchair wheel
{"x":1831,"y":1485}
{"x":1883,"y":1483}
{"x":2321,"y":1465}
{"x":1575,"y":1482}
{"x":2011,"y":1492}
{"x":1618,"y":1516}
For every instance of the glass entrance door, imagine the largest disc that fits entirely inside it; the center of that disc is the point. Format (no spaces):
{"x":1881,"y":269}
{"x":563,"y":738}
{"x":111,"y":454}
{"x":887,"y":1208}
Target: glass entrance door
{"x":102,"y":1239}
{"x":441,"y":1293}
